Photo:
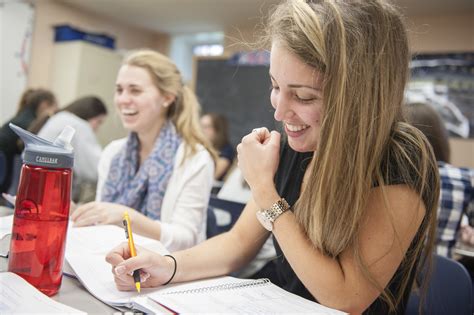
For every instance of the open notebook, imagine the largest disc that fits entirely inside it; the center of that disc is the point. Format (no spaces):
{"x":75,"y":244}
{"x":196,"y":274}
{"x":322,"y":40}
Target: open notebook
{"x":221,"y":295}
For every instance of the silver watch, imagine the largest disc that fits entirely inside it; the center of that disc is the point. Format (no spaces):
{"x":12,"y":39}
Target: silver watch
{"x":266,"y":217}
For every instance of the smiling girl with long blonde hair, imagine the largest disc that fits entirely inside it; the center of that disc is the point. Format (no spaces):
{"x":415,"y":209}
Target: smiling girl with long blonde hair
{"x":351,"y":196}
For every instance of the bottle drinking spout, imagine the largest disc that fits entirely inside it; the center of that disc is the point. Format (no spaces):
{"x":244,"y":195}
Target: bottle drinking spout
{"x":65,"y":137}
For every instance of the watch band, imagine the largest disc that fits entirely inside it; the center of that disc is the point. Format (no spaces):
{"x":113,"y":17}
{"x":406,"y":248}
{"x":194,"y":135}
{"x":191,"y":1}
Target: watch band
{"x":276,"y":209}
{"x":268,"y":216}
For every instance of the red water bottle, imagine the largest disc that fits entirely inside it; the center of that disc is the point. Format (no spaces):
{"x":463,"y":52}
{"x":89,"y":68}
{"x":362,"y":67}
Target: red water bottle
{"x":42,"y":210}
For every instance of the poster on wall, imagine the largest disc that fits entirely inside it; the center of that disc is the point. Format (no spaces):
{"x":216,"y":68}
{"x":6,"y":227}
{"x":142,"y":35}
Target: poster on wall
{"x":16,"y":27}
{"x":446,"y":82}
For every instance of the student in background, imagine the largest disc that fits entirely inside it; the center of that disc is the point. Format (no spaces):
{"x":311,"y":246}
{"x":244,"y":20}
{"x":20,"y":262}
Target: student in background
{"x":34,"y":104}
{"x":457,"y":183}
{"x":162,"y":173}
{"x":85,"y":115}
{"x":361,"y":184}
{"x":216,"y":129}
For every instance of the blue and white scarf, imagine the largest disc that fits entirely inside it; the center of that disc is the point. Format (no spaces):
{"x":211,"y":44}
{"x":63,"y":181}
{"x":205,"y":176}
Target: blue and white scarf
{"x":142,"y":189}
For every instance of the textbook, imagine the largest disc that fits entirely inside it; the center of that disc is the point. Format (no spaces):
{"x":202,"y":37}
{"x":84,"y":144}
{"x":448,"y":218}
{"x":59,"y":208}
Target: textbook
{"x":217,"y":295}
{"x":14,"y":291}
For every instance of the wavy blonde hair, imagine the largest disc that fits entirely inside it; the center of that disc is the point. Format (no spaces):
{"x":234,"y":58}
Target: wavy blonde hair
{"x":361,"y":49}
{"x":184,"y":112}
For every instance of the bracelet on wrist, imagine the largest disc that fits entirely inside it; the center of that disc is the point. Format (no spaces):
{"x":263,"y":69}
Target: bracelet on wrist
{"x":174,"y":271}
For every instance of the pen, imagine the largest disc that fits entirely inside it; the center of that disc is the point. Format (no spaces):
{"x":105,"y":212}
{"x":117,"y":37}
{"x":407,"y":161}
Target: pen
{"x":131,"y":246}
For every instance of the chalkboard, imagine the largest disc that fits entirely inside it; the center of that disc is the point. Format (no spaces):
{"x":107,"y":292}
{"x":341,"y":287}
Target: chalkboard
{"x":240,"y":92}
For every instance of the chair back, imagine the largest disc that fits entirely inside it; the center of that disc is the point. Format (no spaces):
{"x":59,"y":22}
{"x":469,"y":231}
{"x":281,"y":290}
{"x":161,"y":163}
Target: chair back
{"x":232,"y":210}
{"x":449,"y":290}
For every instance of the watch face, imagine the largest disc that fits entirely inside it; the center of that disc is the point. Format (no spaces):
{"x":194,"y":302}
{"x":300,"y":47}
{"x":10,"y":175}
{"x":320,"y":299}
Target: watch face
{"x":264,"y":220}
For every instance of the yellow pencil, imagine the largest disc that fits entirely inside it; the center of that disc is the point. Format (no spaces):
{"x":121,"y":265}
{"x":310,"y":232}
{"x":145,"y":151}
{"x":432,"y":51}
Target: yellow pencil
{"x":131,"y":246}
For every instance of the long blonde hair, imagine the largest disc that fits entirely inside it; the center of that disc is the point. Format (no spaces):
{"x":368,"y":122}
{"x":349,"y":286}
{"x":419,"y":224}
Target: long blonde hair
{"x":184,"y":112}
{"x":361,"y":48}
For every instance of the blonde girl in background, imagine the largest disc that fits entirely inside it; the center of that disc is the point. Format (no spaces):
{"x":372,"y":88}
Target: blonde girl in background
{"x":162,"y":173}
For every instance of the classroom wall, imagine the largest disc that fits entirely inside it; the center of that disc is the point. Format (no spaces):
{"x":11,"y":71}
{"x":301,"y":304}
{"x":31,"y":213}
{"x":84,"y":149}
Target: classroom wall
{"x":51,"y":12}
{"x":427,"y":34}
{"x":434,"y":34}
{"x":462,"y":152}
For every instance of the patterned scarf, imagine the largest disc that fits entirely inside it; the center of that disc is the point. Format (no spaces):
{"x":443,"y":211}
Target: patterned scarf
{"x":142,"y":189}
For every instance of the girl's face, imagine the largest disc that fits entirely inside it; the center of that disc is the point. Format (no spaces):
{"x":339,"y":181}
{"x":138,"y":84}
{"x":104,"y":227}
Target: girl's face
{"x":139,"y":102}
{"x":208,"y":128}
{"x":297,"y":98}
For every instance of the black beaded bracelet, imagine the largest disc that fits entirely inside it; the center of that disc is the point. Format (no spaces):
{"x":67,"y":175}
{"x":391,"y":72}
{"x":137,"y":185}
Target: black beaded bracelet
{"x":174,"y":271}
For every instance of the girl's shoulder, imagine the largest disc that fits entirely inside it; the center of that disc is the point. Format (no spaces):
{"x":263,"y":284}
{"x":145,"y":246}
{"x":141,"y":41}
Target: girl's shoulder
{"x":200,"y":154}
{"x":66,"y":118}
{"x":114,"y":147}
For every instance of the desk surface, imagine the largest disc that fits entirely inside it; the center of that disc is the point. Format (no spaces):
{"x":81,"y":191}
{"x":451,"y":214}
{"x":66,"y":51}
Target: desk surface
{"x":72,"y":292}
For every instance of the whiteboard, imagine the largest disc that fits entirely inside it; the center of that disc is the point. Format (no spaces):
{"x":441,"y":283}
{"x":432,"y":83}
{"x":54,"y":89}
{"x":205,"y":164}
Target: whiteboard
{"x":16,"y":28}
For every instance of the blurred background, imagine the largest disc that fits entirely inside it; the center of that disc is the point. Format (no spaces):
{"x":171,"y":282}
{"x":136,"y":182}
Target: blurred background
{"x":74,"y":48}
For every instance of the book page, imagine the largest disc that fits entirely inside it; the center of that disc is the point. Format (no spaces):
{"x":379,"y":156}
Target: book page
{"x":96,"y":275}
{"x":15,"y":291}
{"x":102,"y":238}
{"x":263,"y":298}
{"x":86,"y":248}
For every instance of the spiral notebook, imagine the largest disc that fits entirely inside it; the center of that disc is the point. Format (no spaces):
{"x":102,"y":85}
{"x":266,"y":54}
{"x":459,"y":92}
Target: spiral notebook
{"x":228,"y":295}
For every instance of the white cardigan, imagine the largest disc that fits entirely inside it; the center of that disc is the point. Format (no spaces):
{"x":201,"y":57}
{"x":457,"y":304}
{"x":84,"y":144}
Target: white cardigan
{"x":184,"y":208}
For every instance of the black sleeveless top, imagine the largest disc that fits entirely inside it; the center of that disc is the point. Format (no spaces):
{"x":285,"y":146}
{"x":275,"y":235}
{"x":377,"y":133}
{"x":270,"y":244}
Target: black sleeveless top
{"x":288,"y":181}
